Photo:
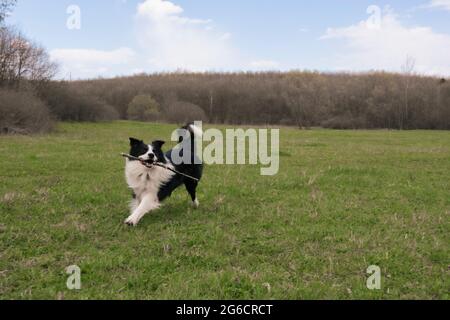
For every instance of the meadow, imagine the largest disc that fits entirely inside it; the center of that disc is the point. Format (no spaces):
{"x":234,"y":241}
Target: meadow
{"x":342,"y":201}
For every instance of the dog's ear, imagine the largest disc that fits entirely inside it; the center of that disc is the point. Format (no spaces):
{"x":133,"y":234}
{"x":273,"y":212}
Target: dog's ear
{"x":135,"y":142}
{"x":158,"y":144}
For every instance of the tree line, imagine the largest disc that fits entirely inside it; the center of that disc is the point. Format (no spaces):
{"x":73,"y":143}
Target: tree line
{"x":298,"y":98}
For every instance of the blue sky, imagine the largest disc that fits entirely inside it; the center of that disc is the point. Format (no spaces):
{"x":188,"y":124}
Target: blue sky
{"x":121,"y":37}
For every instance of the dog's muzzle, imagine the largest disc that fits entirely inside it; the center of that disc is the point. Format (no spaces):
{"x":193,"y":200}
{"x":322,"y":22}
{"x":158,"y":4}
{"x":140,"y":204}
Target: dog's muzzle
{"x":149,"y":160}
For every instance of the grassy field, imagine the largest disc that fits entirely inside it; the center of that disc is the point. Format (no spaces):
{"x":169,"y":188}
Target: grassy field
{"x":342,"y":201}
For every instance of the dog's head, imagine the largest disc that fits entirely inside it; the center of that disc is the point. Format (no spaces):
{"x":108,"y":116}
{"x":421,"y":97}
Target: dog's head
{"x":150,"y":153}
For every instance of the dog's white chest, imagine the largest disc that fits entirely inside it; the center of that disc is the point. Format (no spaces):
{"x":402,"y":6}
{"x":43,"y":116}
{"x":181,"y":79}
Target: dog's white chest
{"x":139,"y":177}
{"x":145,"y":180}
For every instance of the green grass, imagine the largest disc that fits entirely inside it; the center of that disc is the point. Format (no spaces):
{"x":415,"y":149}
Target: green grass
{"x":343,"y":200}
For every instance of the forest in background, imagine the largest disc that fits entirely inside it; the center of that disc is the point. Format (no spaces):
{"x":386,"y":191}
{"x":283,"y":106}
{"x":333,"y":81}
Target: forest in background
{"x":298,"y":98}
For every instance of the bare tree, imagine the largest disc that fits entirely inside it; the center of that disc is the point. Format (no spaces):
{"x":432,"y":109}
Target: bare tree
{"x":293,"y":99}
{"x":407,"y":71}
{"x":22,"y":60}
{"x":300,"y":97}
{"x":5,"y":8}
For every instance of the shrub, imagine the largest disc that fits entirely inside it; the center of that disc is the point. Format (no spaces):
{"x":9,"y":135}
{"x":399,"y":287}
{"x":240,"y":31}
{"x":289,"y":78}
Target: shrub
{"x":21,"y":112}
{"x":143,"y":108}
{"x":182,"y":112}
{"x":69,"y":104}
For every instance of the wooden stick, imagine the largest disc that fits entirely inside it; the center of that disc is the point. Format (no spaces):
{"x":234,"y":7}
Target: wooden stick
{"x":129,"y":157}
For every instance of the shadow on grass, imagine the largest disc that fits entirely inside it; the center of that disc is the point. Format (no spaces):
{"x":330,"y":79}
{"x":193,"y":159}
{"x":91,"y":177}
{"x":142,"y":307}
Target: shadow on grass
{"x":175,"y":212}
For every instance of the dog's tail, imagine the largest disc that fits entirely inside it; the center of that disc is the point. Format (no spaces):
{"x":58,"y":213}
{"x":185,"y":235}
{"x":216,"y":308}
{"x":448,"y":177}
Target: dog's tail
{"x":194,"y":134}
{"x":195,"y":131}
{"x":192,"y":131}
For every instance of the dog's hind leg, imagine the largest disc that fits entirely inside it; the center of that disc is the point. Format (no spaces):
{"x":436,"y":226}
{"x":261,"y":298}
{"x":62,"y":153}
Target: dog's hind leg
{"x":191,"y":187}
{"x":147,"y":204}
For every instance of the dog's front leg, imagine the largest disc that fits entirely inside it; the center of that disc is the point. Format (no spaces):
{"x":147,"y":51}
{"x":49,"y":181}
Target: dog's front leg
{"x":147,"y":204}
{"x":134,"y":204}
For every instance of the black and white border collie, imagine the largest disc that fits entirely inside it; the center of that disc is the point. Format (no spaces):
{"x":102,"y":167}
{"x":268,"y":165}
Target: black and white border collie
{"x":151,"y":185}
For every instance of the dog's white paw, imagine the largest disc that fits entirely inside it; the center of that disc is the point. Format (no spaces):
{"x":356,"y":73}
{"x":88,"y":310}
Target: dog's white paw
{"x":195,"y":204}
{"x":131,"y":221}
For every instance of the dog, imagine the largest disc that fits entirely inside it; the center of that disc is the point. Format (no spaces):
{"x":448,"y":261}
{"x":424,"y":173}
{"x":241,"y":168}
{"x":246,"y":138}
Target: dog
{"x":152,"y":184}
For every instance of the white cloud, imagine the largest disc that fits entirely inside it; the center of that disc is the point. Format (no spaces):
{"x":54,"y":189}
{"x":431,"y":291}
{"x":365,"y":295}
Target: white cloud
{"x":172,"y":41}
{"x":387,"y":46}
{"x":440,"y":4}
{"x":165,"y":40}
{"x":88,"y":63}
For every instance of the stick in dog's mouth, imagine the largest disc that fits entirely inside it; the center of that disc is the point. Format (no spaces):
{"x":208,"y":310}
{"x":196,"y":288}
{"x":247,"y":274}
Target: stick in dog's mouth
{"x":148,"y":163}
{"x":155,"y":163}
